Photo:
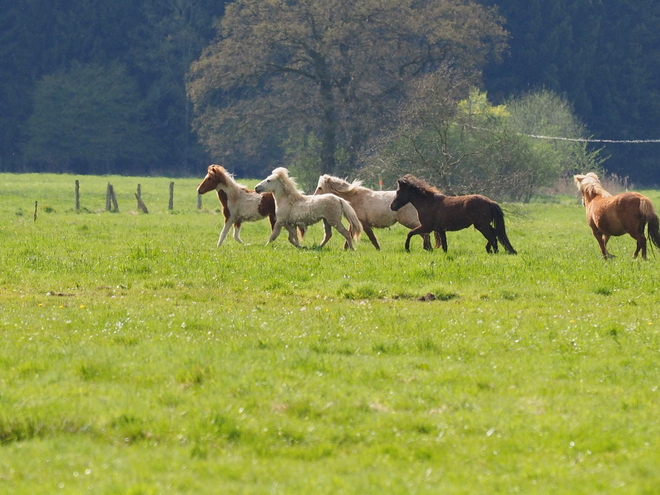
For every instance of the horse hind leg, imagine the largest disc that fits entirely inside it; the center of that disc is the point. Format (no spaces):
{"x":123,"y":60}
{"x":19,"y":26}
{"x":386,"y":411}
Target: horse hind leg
{"x":237,"y":232}
{"x":347,"y":235}
{"x":641,"y":241}
{"x":328,"y":233}
{"x":489,"y":233}
{"x":370,"y":234}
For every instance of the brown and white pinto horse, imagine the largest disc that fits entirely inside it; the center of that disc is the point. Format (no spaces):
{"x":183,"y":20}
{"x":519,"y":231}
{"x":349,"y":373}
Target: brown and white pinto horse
{"x":239,"y":204}
{"x":440,"y":213}
{"x":625,"y":213}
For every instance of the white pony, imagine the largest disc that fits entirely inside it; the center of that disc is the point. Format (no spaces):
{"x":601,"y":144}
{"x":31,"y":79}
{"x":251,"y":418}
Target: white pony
{"x":239,"y":204}
{"x":372,"y":207}
{"x":292,"y":207}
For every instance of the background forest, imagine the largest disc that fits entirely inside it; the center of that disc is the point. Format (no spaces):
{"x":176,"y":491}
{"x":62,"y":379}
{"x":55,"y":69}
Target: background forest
{"x":167,"y":87}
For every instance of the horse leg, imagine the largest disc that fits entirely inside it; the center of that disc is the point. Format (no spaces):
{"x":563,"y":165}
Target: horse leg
{"x":224,"y":232}
{"x":641,"y":242}
{"x":344,"y":231}
{"x":427,"y":242}
{"x":370,"y":234}
{"x":602,"y":242}
{"x":237,"y":232}
{"x":417,"y":230}
{"x":489,"y":233}
{"x":443,"y":239}
{"x":293,"y":235}
{"x":328,"y":233}
{"x":276,"y":231}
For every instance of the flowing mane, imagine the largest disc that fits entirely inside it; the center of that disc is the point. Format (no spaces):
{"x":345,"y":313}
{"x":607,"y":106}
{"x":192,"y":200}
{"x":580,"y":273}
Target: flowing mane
{"x":288,"y":183}
{"x":217,"y":175}
{"x":340,"y":186}
{"x":419,"y":185}
{"x":590,"y":185}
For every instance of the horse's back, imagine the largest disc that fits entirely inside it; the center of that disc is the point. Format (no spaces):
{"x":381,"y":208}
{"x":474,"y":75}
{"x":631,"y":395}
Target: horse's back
{"x":616,"y":215}
{"x":459,"y":212}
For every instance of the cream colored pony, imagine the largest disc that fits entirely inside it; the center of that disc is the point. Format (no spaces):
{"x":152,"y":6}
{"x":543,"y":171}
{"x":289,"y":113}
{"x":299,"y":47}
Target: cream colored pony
{"x":372,"y":207}
{"x":292,"y":207}
{"x":626,"y":213}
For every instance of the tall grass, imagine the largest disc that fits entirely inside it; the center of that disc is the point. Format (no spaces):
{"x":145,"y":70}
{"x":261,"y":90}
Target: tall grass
{"x":136,"y":357}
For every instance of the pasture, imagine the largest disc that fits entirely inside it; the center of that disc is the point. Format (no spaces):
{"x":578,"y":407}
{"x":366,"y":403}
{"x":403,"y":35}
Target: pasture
{"x":138,"y":358}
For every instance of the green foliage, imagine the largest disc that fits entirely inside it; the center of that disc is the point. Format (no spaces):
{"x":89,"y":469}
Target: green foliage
{"x":259,"y":369}
{"x":336,"y":69}
{"x":89,"y":114}
{"x":464,"y":144}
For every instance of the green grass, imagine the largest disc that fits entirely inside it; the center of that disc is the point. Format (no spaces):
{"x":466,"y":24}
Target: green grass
{"x":137,"y":358}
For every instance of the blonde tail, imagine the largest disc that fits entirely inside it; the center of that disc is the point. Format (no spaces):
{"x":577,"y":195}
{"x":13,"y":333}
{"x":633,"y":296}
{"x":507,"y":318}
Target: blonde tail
{"x":355,"y":227}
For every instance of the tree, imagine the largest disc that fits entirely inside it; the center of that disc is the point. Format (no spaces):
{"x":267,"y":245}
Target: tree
{"x":281,"y":69}
{"x":88,"y":119}
{"x":451,"y":135}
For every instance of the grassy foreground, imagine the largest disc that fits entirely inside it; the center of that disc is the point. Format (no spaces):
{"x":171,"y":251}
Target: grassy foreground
{"x":137,"y":358}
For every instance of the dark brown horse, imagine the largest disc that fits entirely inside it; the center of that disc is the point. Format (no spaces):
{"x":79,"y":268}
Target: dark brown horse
{"x":440,"y":213}
{"x":626,"y":213}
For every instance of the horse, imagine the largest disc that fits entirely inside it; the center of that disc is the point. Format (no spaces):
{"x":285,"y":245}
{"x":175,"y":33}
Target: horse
{"x":372,"y":207}
{"x":440,"y":213}
{"x":294,"y":207}
{"x":625,"y":213}
{"x":239,"y":204}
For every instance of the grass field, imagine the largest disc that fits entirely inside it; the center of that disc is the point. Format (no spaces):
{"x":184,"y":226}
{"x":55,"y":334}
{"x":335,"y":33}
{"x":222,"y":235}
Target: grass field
{"x":137,"y":358}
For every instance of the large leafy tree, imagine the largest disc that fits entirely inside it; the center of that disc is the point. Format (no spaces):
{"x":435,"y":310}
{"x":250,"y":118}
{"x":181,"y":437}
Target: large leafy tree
{"x":334,"y":69}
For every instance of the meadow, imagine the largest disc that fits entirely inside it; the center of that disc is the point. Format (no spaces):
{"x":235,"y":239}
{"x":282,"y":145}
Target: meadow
{"x":138,"y":358}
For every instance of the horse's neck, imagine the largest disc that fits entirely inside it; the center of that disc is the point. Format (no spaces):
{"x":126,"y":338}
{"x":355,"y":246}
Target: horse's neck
{"x":426,"y":198}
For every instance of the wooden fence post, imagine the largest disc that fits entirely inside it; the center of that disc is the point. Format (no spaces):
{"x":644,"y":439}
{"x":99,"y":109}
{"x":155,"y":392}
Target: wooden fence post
{"x":35,"y":211}
{"x":77,"y":195}
{"x":111,"y":199}
{"x":138,"y":196}
{"x":199,"y":201}
{"x":170,"y":206}
{"x":108,"y":202}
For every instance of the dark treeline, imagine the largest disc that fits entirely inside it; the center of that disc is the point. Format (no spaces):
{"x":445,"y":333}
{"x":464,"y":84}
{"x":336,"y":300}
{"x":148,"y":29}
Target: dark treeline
{"x":604,"y":57}
{"x":100,"y":87}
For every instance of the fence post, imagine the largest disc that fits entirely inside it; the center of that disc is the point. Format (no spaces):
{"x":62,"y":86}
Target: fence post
{"x":108,"y":202}
{"x":170,"y":206}
{"x":35,"y":211}
{"x":138,"y":196}
{"x":111,"y":199}
{"x":77,"y":195}
{"x":199,"y":201}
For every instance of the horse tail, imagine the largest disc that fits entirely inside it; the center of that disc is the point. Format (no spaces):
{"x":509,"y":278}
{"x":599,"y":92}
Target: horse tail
{"x":648,"y":213}
{"x":355,"y":227}
{"x":500,"y":231}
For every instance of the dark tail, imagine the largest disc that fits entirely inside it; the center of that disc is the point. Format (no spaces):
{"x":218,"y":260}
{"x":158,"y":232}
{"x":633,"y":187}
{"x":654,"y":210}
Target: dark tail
{"x":648,"y":213}
{"x":654,"y":230}
{"x":500,"y":231}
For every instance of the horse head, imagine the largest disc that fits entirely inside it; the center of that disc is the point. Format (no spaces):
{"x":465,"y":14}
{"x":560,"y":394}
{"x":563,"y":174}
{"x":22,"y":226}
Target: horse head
{"x":589,"y":186}
{"x":215,"y":175}
{"x":402,"y":197}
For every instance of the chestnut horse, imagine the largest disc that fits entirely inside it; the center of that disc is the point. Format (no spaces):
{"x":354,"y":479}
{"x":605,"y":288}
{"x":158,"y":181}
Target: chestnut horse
{"x":239,"y":204}
{"x":440,"y":213}
{"x":626,"y":213}
{"x":292,"y":207}
{"x":372,"y":207}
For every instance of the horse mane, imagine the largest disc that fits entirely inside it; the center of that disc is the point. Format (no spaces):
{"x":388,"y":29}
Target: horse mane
{"x":337,"y":185}
{"x":418,"y":185}
{"x":288,"y":183}
{"x":590,"y":185}
{"x":223,"y":177}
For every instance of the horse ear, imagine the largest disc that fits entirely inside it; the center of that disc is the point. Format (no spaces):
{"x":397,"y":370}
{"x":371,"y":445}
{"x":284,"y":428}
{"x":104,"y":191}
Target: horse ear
{"x":579,"y":178}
